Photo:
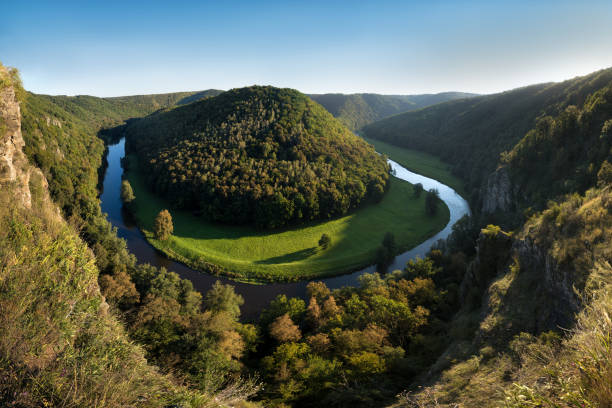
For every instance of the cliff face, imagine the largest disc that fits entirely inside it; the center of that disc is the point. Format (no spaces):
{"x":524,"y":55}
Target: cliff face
{"x":530,"y":293}
{"x":497,"y":192}
{"x":13,"y":164}
{"x":492,"y":254}
{"x":535,"y":280}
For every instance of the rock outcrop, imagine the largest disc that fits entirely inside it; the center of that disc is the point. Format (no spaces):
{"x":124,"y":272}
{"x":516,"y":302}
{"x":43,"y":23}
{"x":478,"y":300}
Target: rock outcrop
{"x":492,"y":255}
{"x":497,"y":195}
{"x":14,"y":169}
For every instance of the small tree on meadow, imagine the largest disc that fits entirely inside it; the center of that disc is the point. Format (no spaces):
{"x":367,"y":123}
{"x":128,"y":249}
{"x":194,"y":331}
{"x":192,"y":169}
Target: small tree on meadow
{"x":431,"y":202}
{"x":386,"y":252}
{"x":418,"y":189}
{"x":162,"y":227}
{"x":389,"y":242}
{"x":325,"y":241}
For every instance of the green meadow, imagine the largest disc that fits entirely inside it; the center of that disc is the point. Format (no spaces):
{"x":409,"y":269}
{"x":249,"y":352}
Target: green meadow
{"x":247,"y":254}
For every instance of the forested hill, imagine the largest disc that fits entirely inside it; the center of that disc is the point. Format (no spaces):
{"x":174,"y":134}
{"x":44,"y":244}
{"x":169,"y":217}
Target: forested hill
{"x":56,"y":127}
{"x":358,"y":110}
{"x":259,"y":154}
{"x":559,"y":131}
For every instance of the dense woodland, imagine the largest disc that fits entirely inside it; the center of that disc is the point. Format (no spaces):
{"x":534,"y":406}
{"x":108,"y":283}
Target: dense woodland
{"x":565,"y":122}
{"x":357,"y":346}
{"x":258,"y":155}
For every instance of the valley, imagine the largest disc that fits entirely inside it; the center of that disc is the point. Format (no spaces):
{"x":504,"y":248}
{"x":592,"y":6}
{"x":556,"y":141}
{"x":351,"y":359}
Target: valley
{"x":258,"y":296}
{"x":264,"y":247}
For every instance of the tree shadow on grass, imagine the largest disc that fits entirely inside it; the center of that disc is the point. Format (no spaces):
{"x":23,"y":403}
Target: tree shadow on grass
{"x":292,"y":257}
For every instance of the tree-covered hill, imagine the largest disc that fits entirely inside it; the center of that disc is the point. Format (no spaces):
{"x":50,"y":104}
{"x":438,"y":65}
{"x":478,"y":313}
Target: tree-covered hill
{"x":259,"y":154}
{"x":358,"y":110}
{"x":60,"y":135}
{"x":557,"y":131}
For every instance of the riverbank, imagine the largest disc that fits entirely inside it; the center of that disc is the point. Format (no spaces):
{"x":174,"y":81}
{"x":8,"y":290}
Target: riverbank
{"x":421,"y":163}
{"x":256,"y":297}
{"x":250,"y":255}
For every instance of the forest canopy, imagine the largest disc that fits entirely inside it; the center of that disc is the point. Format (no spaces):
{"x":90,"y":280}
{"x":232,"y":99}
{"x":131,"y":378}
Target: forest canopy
{"x":260,"y":155}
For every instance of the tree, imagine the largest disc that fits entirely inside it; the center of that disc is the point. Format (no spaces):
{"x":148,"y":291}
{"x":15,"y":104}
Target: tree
{"x":330,"y":308}
{"x":604,"y":176}
{"x":418,"y":189}
{"x":313,"y":312}
{"x":318,"y":290}
{"x":389,"y":242}
{"x":386,"y":252}
{"x":162,"y":227}
{"x":127,"y":194}
{"x":325,"y":241}
{"x":223,"y":298}
{"x":431,"y":202}
{"x":119,"y":289}
{"x":282,"y":329}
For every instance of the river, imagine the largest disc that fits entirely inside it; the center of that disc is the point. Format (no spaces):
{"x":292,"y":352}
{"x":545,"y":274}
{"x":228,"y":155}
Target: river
{"x":256,"y":297}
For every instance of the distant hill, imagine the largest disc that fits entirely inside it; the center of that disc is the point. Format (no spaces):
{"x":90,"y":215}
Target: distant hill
{"x":260,"y":154}
{"x":209,"y":93}
{"x":559,"y":131}
{"x":358,"y":110}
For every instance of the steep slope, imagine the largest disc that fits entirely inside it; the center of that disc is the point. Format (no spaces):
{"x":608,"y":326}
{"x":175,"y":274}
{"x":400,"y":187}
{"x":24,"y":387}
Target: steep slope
{"x":60,"y":344}
{"x":63,"y":344}
{"x":471,"y":134}
{"x":260,"y":154}
{"x":358,"y":110}
{"x":539,"y":333}
{"x":534,"y":324}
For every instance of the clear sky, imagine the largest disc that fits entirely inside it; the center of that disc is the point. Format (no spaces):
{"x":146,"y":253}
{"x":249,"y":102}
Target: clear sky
{"x":109,"y":47}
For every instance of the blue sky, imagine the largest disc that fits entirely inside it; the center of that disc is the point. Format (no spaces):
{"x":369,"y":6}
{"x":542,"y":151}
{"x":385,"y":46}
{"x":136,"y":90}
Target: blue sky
{"x":110,"y":48}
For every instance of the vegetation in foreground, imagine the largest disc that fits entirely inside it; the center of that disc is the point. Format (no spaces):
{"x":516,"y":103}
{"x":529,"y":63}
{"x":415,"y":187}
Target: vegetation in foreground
{"x":246,"y":253}
{"x":61,"y":344}
{"x":355,"y":346}
{"x":258,"y":155}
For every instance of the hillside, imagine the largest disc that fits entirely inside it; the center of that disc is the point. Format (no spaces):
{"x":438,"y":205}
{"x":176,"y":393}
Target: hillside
{"x":82,"y":319}
{"x":533,"y":322}
{"x":61,"y":345}
{"x":258,"y":155}
{"x":471,"y":134}
{"x":358,"y":110}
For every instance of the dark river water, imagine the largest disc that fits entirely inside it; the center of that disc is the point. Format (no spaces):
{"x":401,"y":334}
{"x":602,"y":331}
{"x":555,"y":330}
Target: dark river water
{"x":256,"y":297}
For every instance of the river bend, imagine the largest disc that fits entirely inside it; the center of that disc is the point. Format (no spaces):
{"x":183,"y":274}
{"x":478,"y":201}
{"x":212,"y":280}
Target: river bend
{"x":256,"y":297}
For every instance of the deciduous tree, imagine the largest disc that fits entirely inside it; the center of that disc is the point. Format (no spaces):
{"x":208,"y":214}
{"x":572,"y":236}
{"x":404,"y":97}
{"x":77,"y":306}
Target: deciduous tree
{"x":162,"y":227}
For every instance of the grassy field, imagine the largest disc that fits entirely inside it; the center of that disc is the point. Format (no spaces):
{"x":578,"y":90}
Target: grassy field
{"x":419,"y":162}
{"x":248,"y":254}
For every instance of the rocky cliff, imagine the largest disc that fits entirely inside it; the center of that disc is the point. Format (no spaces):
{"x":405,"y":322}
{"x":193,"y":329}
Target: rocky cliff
{"x":14,"y":169}
{"x":497,"y":192}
